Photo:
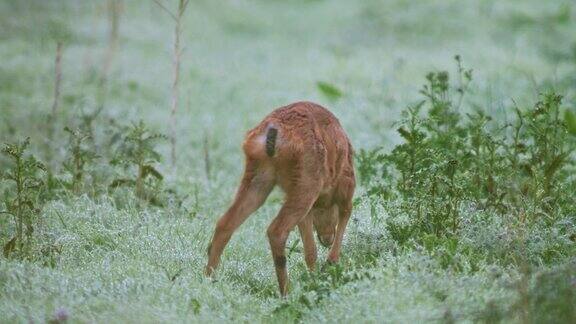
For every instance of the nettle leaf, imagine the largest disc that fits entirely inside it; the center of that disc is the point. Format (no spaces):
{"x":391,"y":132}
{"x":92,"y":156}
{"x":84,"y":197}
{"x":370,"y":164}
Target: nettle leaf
{"x":9,"y":247}
{"x":24,"y":145}
{"x":570,"y":120}
{"x":9,"y":176}
{"x":122,"y":182}
{"x":6,"y":212}
{"x":70,"y":131}
{"x":150,"y":170}
{"x":89,"y":155}
{"x":555,"y":165}
{"x":195,"y":304}
{"x":405,"y":134}
{"x":32,"y":183}
{"x":155,"y":155}
{"x":11,"y":150}
{"x":157,"y":136}
{"x":30,"y":205}
{"x":329,"y":90}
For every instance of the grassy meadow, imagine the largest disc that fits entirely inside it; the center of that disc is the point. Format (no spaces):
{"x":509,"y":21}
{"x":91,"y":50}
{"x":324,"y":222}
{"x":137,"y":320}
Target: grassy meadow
{"x":465,"y":208}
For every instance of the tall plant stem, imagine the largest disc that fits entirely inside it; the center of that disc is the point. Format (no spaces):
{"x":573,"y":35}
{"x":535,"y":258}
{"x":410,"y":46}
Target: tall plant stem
{"x":19,"y":187}
{"x":114,"y":11}
{"x":175,"y":81}
{"x":57,"y":78}
{"x":176,"y":60}
{"x":56,"y":97}
{"x":207,"y":165}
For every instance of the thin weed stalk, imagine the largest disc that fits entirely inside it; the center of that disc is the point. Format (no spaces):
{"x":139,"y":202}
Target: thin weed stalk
{"x":207,"y":163}
{"x":176,"y":62}
{"x":52,"y":119}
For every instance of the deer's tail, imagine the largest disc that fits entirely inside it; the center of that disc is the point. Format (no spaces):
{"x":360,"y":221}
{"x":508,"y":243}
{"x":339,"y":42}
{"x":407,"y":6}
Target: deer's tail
{"x":271,"y":135}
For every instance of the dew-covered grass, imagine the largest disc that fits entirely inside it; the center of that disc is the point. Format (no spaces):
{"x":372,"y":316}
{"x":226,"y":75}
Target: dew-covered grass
{"x":105,"y":256}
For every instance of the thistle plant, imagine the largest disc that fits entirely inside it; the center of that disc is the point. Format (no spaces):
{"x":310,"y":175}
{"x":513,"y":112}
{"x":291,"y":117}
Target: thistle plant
{"x":80,"y":156}
{"x":137,"y":152}
{"x":21,"y":195}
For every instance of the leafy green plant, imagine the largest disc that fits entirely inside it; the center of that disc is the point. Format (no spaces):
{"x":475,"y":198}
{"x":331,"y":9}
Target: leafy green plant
{"x":372,"y":171}
{"x":431,"y":160}
{"x":88,"y":119}
{"x":20,"y":201}
{"x":542,"y":148}
{"x":80,"y":156}
{"x":451,"y":158}
{"x":137,"y":152}
{"x":319,"y":285}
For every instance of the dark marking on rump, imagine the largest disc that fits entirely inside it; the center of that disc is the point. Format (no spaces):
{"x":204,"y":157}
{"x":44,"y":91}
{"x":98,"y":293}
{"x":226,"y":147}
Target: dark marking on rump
{"x":271,"y":141}
{"x":208,"y":248}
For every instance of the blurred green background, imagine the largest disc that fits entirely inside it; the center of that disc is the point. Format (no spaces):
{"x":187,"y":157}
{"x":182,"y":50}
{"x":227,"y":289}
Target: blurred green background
{"x":243,"y":58}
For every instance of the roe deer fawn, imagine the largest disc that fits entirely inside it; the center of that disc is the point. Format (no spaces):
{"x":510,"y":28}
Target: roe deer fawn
{"x":303,"y":149}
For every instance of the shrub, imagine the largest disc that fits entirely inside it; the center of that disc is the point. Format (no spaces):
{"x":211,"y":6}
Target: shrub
{"x":137,"y":152}
{"x":450,"y":159}
{"x":80,"y":156}
{"x":20,"y":199}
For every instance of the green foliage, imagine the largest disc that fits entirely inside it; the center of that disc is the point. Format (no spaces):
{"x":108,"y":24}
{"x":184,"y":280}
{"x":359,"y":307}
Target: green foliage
{"x":137,"y":152}
{"x":329,"y":90}
{"x":20,"y":199}
{"x":570,"y":121}
{"x":318,"y":286}
{"x":80,"y":156}
{"x":450,"y":159}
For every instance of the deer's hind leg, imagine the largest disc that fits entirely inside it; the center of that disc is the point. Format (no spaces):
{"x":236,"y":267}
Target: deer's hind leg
{"x":344,"y":203}
{"x":300,"y":196}
{"x":307,"y":234}
{"x":255,"y":187}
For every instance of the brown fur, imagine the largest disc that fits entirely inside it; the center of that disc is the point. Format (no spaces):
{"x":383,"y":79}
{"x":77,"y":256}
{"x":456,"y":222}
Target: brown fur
{"x":312,"y":163}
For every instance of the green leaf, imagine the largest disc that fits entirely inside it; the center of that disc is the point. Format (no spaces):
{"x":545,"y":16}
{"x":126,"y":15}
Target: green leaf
{"x":30,"y":205}
{"x":122,"y":182}
{"x":5,"y":212}
{"x":195,"y":304}
{"x":329,"y":90}
{"x":9,"y":247}
{"x":150,"y":170}
{"x":570,"y":120}
{"x":405,"y":134}
{"x":554,"y":165}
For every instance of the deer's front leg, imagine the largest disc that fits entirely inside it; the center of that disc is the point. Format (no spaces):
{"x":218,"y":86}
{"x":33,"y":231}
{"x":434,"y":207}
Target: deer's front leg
{"x":307,"y":234}
{"x":254,"y":189}
{"x":293,"y":211}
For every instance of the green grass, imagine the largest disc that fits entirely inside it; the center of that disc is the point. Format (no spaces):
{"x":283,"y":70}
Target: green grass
{"x":105,"y":256}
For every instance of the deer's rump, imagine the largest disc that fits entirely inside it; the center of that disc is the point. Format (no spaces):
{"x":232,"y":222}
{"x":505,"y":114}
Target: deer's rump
{"x":301,"y":132}
{"x":303,"y":136}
